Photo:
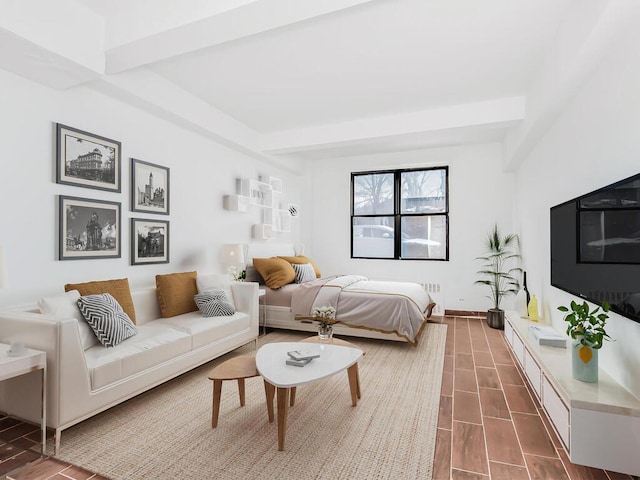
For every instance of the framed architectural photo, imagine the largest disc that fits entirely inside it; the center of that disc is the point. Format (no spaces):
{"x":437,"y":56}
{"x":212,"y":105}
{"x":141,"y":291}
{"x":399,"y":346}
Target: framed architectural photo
{"x":149,"y":187}
{"x":149,"y":241}
{"x":88,"y":229}
{"x":87,"y":160}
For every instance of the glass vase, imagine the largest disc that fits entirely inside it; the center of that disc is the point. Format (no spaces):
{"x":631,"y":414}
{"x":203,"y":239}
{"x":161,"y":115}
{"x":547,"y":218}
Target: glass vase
{"x":325,"y":332}
{"x":584,"y":362}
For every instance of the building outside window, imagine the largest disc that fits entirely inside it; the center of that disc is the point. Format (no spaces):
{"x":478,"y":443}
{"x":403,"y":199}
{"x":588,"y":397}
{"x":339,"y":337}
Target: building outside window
{"x":400,"y":214}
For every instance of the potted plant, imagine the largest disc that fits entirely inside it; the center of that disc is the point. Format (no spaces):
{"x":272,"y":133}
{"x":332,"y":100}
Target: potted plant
{"x":500,"y":272}
{"x":326,"y":317}
{"x":586,"y":328}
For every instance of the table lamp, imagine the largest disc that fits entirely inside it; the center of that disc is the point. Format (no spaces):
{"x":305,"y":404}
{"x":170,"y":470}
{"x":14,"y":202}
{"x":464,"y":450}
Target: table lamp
{"x":232,"y":257}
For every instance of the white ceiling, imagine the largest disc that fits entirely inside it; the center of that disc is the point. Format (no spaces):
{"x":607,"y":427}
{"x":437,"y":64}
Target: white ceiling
{"x":317,"y":78}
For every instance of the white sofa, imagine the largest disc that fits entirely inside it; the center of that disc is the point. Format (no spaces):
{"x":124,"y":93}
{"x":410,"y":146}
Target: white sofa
{"x":82,"y":383}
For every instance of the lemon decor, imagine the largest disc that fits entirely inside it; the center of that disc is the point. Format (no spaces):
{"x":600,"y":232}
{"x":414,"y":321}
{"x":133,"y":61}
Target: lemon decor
{"x":532,"y":309}
{"x":586,"y":328}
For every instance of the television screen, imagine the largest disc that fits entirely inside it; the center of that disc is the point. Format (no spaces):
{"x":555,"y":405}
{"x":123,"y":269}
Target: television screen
{"x":595,"y":246}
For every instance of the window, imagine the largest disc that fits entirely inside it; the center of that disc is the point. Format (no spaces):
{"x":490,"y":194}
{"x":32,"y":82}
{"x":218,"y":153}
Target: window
{"x":400,"y":214}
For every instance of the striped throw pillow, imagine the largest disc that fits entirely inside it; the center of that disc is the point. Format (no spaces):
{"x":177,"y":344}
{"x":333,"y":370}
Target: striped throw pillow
{"x":304,"y":272}
{"x":214,"y":303}
{"x":106,"y":318}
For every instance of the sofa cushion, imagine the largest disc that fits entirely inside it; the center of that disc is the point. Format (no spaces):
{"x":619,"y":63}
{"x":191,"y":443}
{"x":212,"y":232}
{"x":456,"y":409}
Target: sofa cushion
{"x":65,"y":305}
{"x":214,"y":303}
{"x":205,"y":331}
{"x":149,"y":348}
{"x":275,"y":271}
{"x":302,"y":259}
{"x":209,"y":282}
{"x":119,"y":289}
{"x":107,"y":319}
{"x":175,"y":293}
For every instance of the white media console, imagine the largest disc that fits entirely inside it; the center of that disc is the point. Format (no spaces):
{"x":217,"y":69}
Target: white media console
{"x":598,"y":423}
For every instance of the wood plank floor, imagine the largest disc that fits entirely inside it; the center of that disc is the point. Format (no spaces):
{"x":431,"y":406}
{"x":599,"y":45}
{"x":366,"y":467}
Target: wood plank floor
{"x":490,"y":425}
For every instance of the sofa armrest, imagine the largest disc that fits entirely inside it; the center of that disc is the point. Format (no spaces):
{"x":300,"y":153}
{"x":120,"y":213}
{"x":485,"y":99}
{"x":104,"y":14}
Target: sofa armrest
{"x":59,"y":338}
{"x":245,"y":296}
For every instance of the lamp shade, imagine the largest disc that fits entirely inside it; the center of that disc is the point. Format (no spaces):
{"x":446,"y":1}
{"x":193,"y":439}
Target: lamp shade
{"x":3,"y":269}
{"x":232,"y":255}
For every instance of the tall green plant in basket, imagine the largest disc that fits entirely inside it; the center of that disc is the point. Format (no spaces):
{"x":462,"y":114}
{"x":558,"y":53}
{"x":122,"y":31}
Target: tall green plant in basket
{"x":500,"y":271}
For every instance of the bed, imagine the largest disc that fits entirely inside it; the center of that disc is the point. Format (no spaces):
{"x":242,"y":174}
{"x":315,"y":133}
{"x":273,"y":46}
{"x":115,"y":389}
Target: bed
{"x":364,"y":308}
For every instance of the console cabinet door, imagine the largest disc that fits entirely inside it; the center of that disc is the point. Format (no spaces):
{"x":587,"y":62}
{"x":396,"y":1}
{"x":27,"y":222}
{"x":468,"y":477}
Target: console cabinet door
{"x":556,"y":410}
{"x":533,"y":372}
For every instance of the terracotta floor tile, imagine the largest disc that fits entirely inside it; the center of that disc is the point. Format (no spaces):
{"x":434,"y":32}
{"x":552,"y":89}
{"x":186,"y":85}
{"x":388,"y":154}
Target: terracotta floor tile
{"x":543,"y":468}
{"x":468,"y":448}
{"x":9,"y":450}
{"x":552,"y":433}
{"x":442,"y":455}
{"x":519,"y":399}
{"x":17,"y":461}
{"x":487,"y":377}
{"x":502,"y":442}
{"x":466,"y":407}
{"x":580,"y":472}
{"x":483,"y":359}
{"x":445,"y":415}
{"x":502,"y":356}
{"x":479,"y":344}
{"x":465,"y":380}
{"x":462,"y":344}
{"x":618,"y":476}
{"x":17,"y":431}
{"x":464,"y":361}
{"x":501,"y":471}
{"x":493,"y":404}
{"x":448,"y":364}
{"x":447,"y":384}
{"x":533,"y":435}
{"x":77,"y":473}
{"x":509,"y":375}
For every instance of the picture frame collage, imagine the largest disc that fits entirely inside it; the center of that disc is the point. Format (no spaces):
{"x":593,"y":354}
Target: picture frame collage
{"x":91,"y":228}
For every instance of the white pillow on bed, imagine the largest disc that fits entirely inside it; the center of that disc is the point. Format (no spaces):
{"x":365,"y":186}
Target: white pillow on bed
{"x":304,"y":272}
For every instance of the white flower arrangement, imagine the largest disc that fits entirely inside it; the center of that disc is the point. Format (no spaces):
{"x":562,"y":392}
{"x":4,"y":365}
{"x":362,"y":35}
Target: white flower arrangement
{"x":325,"y":315}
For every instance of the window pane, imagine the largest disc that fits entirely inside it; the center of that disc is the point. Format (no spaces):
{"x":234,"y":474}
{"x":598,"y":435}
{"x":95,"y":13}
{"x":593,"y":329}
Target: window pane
{"x":373,"y":194}
{"x":373,"y":237}
{"x":424,"y":237}
{"x":424,"y":191}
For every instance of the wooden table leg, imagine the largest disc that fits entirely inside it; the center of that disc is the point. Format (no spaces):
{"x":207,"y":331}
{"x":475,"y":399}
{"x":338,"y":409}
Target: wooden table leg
{"x":283,"y":400}
{"x":358,"y":380}
{"x":352,"y":371}
{"x":292,"y":396}
{"x":269,"y":391}
{"x":215,"y":408}
{"x":241,"y":391}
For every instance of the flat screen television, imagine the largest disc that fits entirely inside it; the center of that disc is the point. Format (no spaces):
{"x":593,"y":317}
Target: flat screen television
{"x":595,"y":246}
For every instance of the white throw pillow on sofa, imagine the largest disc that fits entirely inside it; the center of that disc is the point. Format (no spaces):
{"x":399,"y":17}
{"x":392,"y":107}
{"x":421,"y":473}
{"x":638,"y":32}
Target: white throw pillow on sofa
{"x":206,"y":283}
{"x":65,"y":305}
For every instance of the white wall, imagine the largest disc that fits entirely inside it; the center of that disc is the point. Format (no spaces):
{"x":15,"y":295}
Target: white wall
{"x":479,"y":195}
{"x":202,"y":171}
{"x":594,"y":142}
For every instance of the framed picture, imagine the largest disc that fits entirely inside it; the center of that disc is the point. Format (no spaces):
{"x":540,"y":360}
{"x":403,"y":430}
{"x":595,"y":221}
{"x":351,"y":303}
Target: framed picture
{"x":149,"y":187}
{"x":87,"y":160}
{"x":149,"y":241}
{"x":88,"y":229}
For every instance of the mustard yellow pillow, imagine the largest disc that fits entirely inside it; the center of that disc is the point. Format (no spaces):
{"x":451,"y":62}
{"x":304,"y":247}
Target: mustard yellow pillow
{"x":302,"y":259}
{"x":118,"y":289}
{"x":175,"y":293}
{"x":276,"y":272}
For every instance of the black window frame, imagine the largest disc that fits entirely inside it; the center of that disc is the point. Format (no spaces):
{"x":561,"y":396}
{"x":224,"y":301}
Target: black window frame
{"x":397,"y":215}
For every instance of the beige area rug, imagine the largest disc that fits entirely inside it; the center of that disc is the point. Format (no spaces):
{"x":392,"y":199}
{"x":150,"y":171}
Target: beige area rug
{"x":166,"y":433}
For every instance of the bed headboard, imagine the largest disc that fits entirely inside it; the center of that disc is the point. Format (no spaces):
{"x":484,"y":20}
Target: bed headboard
{"x":265,"y":250}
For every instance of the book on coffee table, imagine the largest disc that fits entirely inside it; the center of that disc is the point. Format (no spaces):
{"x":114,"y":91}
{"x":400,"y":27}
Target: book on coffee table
{"x":298,"y":363}
{"x":303,"y":354}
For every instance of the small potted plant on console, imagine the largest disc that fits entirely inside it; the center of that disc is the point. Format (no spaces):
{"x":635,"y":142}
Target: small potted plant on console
{"x":586,"y":328}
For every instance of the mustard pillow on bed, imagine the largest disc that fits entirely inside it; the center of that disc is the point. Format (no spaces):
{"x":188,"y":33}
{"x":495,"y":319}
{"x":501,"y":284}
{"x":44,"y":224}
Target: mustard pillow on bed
{"x":175,"y":293}
{"x":302,"y":259}
{"x":276,"y":272}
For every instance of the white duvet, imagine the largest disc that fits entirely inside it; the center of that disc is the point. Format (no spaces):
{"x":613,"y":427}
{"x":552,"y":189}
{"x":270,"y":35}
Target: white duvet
{"x":384,"y":306}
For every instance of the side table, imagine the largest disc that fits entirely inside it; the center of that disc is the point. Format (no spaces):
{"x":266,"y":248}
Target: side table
{"x":30,"y":361}
{"x":262,"y":310}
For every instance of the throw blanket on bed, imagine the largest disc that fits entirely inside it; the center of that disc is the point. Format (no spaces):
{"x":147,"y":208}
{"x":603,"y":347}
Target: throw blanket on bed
{"x":400,"y":307}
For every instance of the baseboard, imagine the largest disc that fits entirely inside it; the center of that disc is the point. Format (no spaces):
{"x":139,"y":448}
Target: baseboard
{"x":465,"y":313}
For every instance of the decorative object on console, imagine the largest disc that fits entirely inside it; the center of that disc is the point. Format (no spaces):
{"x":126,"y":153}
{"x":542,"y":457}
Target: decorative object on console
{"x":88,"y":229}
{"x":586,"y":328}
{"x":532,"y":309}
{"x":498,"y":273}
{"x":149,"y":187}
{"x":149,"y":241}
{"x":3,"y":269}
{"x":521,"y":302}
{"x":233,"y":257}
{"x":325,"y":316}
{"x":87,"y":160}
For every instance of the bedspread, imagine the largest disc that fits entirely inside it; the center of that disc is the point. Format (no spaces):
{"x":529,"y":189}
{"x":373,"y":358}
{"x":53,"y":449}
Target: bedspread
{"x":384,"y":306}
